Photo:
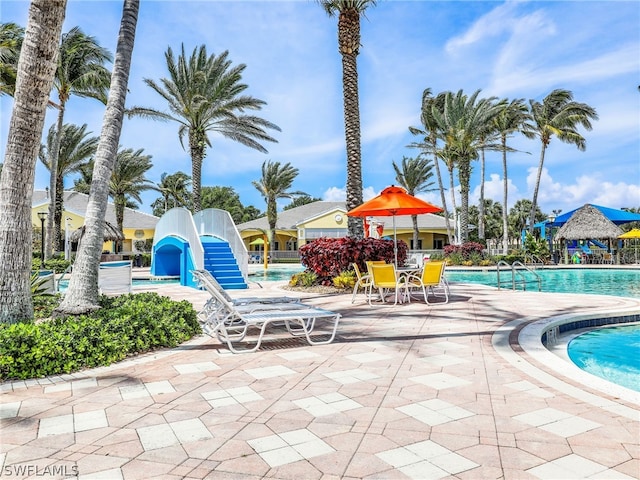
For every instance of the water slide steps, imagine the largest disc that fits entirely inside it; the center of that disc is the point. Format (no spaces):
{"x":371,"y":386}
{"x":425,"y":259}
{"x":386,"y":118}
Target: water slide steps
{"x":220,"y":261}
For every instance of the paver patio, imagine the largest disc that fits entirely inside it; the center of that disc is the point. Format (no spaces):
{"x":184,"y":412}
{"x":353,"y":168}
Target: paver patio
{"x":414,"y":391}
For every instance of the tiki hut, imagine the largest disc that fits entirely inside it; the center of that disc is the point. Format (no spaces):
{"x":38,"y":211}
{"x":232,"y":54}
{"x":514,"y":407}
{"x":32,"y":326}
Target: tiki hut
{"x":111,"y":233}
{"x":587,"y":223}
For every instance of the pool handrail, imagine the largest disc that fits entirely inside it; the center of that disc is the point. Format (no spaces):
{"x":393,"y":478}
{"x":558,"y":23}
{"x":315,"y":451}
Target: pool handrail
{"x":516,"y":270}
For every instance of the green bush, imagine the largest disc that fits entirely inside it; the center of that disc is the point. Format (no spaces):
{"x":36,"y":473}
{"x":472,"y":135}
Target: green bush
{"x":303,"y":279}
{"x":125,"y":325}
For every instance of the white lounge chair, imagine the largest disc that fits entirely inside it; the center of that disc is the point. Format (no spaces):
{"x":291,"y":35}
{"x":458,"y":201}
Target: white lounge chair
{"x":114,"y":277}
{"x":230,"y":323}
{"x":209,"y":283}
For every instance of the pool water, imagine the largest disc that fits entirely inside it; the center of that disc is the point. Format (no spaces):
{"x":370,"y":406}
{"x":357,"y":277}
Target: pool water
{"x":274,"y":274}
{"x":598,"y":281}
{"x":135,"y":282}
{"x":612,"y":353}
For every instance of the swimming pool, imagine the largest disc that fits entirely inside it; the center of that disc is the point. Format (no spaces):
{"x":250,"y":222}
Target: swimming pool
{"x":610,"y":353}
{"x":139,"y":282}
{"x":273,"y":274}
{"x":597,"y":281}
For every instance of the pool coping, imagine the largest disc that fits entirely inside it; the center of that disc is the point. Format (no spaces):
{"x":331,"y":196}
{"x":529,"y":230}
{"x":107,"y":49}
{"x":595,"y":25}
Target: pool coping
{"x":530,"y":339}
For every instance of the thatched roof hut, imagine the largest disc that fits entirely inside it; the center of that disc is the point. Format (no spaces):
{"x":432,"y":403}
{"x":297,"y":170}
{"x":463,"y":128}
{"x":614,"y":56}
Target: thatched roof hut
{"x":111,"y":233}
{"x":588,"y":222}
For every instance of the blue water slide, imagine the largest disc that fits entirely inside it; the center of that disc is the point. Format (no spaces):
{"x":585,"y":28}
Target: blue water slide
{"x":598,"y":243}
{"x":179,"y":247}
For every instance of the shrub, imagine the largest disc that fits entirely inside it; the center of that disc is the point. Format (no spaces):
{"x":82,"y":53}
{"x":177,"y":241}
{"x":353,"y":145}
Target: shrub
{"x":346,"y":279}
{"x":303,"y":279}
{"x":328,"y":257}
{"x":124,"y":325}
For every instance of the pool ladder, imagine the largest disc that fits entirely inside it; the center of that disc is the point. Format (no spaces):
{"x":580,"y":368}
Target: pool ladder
{"x":518,"y":275}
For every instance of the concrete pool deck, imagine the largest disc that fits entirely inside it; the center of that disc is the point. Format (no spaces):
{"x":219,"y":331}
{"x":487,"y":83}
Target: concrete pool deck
{"x":414,"y":391}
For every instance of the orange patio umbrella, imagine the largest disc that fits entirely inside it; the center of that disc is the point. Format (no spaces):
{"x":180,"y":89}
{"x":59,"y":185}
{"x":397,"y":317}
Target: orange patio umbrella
{"x":393,"y":201}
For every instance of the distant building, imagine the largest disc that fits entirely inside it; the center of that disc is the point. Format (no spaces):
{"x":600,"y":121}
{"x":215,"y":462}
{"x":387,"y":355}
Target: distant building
{"x":300,"y":225}
{"x":137,"y":226}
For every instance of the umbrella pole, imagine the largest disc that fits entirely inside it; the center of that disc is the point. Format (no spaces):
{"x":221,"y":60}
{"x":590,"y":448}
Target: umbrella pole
{"x":395,"y":241}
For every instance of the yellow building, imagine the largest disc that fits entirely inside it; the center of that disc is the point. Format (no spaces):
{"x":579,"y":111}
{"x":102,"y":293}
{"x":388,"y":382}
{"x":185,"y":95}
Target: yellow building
{"x":137,"y":226}
{"x":303,"y":224}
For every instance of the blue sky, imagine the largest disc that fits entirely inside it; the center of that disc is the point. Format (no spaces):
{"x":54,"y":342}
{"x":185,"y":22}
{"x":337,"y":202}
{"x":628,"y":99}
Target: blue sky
{"x":507,"y":49}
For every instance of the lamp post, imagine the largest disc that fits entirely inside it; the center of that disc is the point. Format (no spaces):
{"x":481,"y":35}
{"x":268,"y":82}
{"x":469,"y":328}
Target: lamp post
{"x":42,"y":216}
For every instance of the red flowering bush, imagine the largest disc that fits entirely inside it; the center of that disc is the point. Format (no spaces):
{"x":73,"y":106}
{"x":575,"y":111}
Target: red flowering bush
{"x":466,"y":250}
{"x":328,"y":257}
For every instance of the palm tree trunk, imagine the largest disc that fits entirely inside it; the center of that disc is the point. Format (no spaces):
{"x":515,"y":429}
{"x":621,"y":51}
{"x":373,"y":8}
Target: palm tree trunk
{"x":57,"y":216}
{"x":505,"y":212}
{"x":443,"y":197}
{"x":54,"y":153}
{"x":416,"y":232}
{"x":481,"y":234}
{"x":349,"y":41}
{"x":197,"y":151}
{"x":82,"y":294}
{"x":453,"y":195}
{"x":534,"y":201}
{"x":464,"y":174}
{"x":36,"y":69}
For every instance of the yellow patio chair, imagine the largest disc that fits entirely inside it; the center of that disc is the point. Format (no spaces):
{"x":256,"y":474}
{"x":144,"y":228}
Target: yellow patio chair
{"x":432,"y":279}
{"x":362,"y":281}
{"x":384,"y":279}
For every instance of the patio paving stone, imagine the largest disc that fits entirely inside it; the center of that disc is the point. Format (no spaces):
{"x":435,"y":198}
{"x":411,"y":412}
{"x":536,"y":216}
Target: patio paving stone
{"x":414,"y":391}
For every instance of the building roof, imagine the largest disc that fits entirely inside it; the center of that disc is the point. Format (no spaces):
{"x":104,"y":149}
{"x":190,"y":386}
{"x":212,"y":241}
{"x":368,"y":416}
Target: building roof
{"x":292,"y":218}
{"x":75,"y":202}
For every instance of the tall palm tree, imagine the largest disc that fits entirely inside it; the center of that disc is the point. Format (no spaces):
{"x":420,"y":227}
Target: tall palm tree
{"x":36,"y":69}
{"x":511,"y":118}
{"x":205,"y":95}
{"x":11,"y":37}
{"x":464,"y":123}
{"x":557,"y":115}
{"x":349,"y":12}
{"x":415,"y":176}
{"x":128,"y":180}
{"x":175,"y":192}
{"x":80,"y":72}
{"x":275,"y":183}
{"x":82,"y":293}
{"x":429,"y":145}
{"x":75,"y":151}
{"x":490,"y":136}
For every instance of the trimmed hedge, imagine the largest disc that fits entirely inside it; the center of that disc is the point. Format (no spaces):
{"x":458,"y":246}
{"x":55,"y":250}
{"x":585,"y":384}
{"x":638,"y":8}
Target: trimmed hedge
{"x":125,"y":325}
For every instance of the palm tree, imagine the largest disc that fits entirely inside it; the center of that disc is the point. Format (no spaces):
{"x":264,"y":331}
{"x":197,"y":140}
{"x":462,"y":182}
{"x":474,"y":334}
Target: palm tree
{"x":11,"y":37}
{"x":430,"y":146}
{"x":128,"y":180}
{"x":75,"y":151}
{"x":82,"y":293}
{"x":415,"y":176}
{"x":490,"y":136}
{"x":224,"y":198}
{"x":205,"y":94}
{"x":275,"y":184}
{"x":464,"y":123}
{"x":348,"y":12}
{"x":512,"y":118}
{"x":557,"y":115}
{"x":80,"y":72}
{"x":175,"y":193}
{"x":36,"y":69}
